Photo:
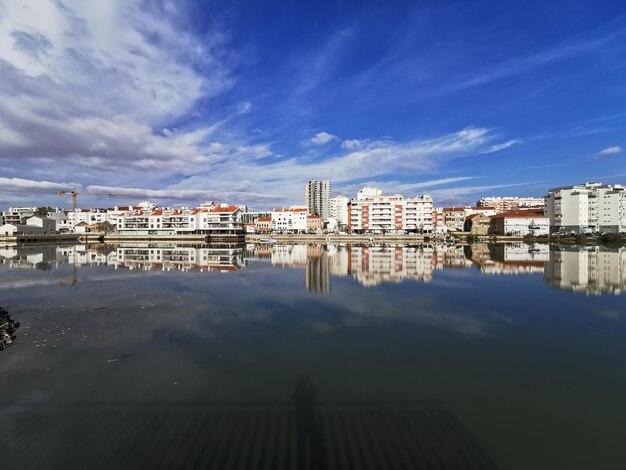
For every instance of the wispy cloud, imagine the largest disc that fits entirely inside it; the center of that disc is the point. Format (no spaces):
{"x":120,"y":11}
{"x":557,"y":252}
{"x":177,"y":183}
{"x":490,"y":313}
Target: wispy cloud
{"x":352,"y":144}
{"x":610,"y":151}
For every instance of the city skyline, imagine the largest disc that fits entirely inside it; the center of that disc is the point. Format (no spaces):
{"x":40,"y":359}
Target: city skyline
{"x":191,"y":102}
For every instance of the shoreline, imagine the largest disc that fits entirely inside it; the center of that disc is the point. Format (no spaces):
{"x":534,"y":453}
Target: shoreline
{"x":456,"y":237}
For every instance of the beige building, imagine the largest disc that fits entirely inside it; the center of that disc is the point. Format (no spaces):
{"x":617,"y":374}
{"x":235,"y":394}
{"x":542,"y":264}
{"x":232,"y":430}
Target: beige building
{"x":477,"y":224}
{"x":314,"y":223}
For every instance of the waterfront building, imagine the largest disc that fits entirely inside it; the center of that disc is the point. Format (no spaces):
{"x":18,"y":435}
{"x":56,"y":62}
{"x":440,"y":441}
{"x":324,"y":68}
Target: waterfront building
{"x":222,"y":219}
{"x":317,"y":197}
{"x":505,"y":204}
{"x":17,"y":215}
{"x":47,"y":225}
{"x":88,"y":216}
{"x":290,"y":220}
{"x":520,"y":223}
{"x":250,"y":217}
{"x":453,"y":218}
{"x":587,"y":208}
{"x":373,"y":212}
{"x":263,"y":224}
{"x":338,"y":209}
{"x":477,"y":224}
{"x":314,"y":224}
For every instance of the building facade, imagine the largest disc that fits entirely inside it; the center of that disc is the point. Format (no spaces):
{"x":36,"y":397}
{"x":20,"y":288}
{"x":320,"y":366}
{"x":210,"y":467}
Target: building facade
{"x":375,"y":213}
{"x":520,"y":223}
{"x":338,"y":209}
{"x":317,"y":197}
{"x":290,"y":220}
{"x":587,"y":208}
{"x":505,"y":204}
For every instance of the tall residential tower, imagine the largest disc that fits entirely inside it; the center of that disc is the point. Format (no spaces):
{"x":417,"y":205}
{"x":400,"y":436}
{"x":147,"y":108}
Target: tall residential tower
{"x":317,"y":197}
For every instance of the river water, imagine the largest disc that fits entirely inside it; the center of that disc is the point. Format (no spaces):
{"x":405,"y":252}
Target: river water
{"x":274,"y":356}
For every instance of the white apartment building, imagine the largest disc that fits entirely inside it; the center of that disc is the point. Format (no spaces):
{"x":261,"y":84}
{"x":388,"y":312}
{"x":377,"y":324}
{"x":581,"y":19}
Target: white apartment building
{"x":587,"y":208}
{"x":17,"y":215}
{"x":290,"y":219}
{"x":338,"y":209}
{"x":505,"y":204}
{"x":222,"y":219}
{"x":317,"y":196}
{"x":520,"y":223}
{"x":612,"y":209}
{"x":88,"y":216}
{"x":373,"y":212}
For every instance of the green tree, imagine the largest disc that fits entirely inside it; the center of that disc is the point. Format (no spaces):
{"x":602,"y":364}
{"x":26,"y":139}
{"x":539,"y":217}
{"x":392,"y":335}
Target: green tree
{"x":43,"y":211}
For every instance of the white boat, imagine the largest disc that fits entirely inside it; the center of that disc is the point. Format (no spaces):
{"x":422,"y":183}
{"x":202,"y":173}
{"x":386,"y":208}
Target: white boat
{"x":267,"y":241}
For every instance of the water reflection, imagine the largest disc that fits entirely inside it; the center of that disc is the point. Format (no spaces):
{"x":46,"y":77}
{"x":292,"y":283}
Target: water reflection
{"x":591,"y":270}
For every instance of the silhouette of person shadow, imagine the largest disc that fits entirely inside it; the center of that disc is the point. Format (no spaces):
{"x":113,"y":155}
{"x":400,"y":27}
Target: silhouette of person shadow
{"x":309,"y":438}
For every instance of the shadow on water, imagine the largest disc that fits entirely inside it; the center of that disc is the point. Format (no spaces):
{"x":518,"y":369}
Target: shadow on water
{"x":304,"y":434}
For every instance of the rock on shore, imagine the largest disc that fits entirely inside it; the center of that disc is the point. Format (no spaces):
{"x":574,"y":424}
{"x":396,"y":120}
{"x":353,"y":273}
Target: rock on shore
{"x":7,"y":329}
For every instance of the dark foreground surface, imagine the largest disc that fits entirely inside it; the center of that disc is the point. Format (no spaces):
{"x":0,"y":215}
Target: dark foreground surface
{"x":313,"y":357}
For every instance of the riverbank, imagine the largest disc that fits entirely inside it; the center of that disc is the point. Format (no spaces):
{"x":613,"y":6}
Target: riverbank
{"x":454,"y":237}
{"x":379,"y":238}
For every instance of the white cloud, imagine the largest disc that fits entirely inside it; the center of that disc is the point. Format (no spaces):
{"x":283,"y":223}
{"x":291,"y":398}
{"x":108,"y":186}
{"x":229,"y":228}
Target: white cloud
{"x":322,"y":138}
{"x":610,"y":151}
{"x":352,"y":144}
{"x":351,"y":169}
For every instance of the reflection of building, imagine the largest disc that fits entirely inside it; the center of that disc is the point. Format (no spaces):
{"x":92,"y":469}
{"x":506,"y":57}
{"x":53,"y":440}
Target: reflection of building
{"x":31,"y":257}
{"x":317,"y":269}
{"x":372,"y":265}
{"x":185,"y":258}
{"x":515,"y":258}
{"x":592,"y":270}
{"x":289,"y":255}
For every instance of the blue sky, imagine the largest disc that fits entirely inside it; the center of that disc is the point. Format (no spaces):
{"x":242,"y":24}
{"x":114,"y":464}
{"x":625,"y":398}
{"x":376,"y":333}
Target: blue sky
{"x":245,"y":101}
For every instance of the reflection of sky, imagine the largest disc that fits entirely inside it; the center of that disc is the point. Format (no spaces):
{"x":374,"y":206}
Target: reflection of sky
{"x":498,"y":349}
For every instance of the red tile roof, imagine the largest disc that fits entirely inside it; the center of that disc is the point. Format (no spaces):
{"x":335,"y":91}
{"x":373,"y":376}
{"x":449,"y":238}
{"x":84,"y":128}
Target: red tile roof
{"x":520,"y":214}
{"x":224,"y":209}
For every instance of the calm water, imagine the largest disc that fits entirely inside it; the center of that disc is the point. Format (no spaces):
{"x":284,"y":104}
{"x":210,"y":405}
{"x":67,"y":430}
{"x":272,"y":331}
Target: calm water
{"x":138,"y":356}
